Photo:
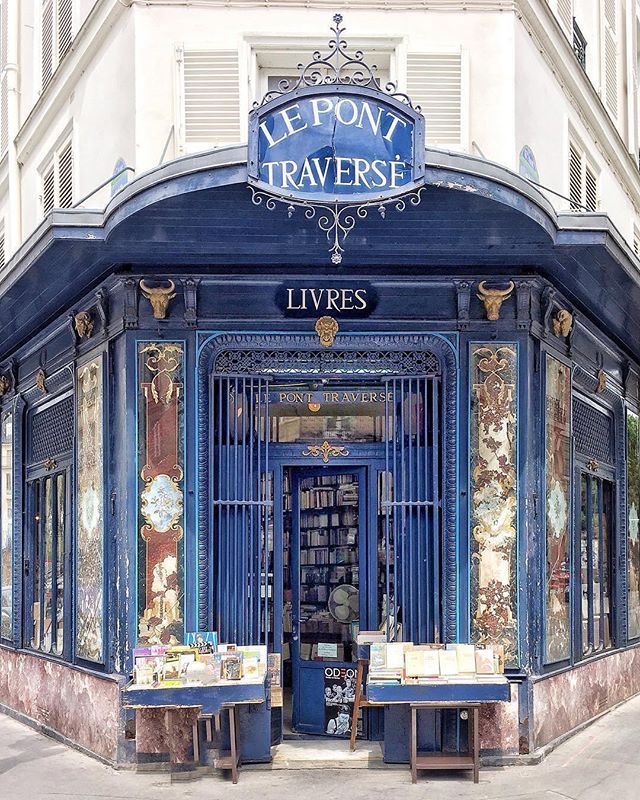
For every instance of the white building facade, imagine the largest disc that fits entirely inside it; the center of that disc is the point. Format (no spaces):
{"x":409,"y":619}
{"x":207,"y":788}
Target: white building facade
{"x":547,"y":89}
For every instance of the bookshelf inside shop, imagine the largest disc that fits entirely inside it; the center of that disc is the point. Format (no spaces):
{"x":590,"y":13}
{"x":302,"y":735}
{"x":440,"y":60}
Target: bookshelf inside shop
{"x":328,"y":558}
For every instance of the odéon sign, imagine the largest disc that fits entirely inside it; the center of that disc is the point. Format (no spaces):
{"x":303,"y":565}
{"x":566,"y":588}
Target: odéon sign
{"x":337,"y":143}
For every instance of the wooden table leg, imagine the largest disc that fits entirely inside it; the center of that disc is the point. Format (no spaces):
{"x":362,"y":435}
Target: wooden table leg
{"x":414,"y":745}
{"x":356,"y":707}
{"x":234,"y":744}
{"x":476,"y":743}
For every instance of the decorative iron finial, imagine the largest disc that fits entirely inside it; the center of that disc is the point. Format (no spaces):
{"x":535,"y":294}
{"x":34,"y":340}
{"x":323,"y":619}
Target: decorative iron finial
{"x":338,"y":66}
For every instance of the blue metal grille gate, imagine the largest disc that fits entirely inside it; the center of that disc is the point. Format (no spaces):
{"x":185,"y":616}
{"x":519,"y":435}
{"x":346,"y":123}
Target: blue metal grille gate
{"x":242,"y":505}
{"x":411,"y":498}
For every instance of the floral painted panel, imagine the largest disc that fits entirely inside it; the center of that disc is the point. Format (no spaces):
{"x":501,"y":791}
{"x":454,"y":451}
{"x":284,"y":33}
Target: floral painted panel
{"x":557,"y":510}
{"x":90,"y":512}
{"x":6,"y":524}
{"x":633,"y":524}
{"x":494,"y":497}
{"x":161,"y":493}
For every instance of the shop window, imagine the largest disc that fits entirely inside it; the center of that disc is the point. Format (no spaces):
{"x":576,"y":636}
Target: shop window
{"x":596,"y":550}
{"x":633,"y":524}
{"x":209,"y":101}
{"x":595,"y":542}
{"x":48,"y":507}
{"x":57,"y":179}
{"x":47,"y":542}
{"x":6,"y":525}
{"x":56,"y":35}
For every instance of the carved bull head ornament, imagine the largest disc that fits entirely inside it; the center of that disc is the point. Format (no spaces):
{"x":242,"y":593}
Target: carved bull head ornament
{"x":494,"y":298}
{"x":159,"y":297}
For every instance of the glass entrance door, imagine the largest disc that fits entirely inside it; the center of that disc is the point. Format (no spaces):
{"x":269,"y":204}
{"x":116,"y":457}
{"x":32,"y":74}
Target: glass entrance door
{"x":328,"y":549}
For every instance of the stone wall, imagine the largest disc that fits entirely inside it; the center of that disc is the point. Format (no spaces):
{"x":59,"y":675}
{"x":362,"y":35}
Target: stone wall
{"x":77,"y":704}
{"x":563,"y":702}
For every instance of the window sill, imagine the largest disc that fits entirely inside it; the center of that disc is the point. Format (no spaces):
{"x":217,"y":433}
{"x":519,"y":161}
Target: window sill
{"x":96,"y":672}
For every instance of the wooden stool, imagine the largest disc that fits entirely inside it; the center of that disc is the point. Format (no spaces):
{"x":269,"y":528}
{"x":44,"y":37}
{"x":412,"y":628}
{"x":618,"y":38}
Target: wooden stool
{"x":439,"y":760}
{"x":360,"y":701}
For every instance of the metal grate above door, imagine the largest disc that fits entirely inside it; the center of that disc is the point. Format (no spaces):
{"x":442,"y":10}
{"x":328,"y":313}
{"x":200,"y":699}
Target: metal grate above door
{"x":52,"y":430}
{"x":593,"y":432}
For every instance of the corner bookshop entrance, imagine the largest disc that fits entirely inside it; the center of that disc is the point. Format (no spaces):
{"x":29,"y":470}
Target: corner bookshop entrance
{"x":326,"y":484}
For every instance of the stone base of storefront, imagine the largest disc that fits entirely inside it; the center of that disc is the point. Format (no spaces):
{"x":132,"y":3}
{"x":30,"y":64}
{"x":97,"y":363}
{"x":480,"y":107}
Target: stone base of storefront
{"x":565,"y":702}
{"x":71,"y":704}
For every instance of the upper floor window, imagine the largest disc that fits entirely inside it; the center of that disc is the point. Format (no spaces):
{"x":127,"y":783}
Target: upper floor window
{"x":57,"y":179}
{"x":4,"y":89}
{"x":212,"y":101}
{"x":56,"y":35}
{"x":609,"y":55}
{"x":209,"y":98}
{"x":583,"y":179}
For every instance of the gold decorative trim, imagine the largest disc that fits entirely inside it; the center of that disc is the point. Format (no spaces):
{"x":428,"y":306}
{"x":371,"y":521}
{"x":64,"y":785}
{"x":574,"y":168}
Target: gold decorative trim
{"x":562,"y":323}
{"x":5,"y":385}
{"x":83,"y":323}
{"x":327,"y":328}
{"x":602,"y":382}
{"x":41,"y":381}
{"x":325,"y":450}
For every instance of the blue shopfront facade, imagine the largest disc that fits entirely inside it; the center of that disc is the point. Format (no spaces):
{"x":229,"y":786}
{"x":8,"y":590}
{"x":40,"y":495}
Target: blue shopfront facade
{"x":188,"y":378}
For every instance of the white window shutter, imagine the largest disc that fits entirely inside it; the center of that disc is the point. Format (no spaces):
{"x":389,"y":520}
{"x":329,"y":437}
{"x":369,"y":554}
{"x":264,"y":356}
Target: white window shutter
{"x":610,"y":56}
{"x":211,"y":98}
{"x":65,"y":27}
{"x":65,"y":177}
{"x":4,"y":93}
{"x":434,"y":82}
{"x":2,"y":253}
{"x":590,"y":189}
{"x":575,"y":177}
{"x":565,"y":15}
{"x":636,"y":240}
{"x":47,"y":43}
{"x":48,"y":190}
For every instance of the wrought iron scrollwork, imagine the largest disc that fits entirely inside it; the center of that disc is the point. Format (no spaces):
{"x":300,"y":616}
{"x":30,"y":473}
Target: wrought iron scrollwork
{"x":336,"y":220}
{"x":337,"y":66}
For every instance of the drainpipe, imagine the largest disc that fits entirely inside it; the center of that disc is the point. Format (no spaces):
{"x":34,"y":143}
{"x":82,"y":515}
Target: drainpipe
{"x":13,"y":124}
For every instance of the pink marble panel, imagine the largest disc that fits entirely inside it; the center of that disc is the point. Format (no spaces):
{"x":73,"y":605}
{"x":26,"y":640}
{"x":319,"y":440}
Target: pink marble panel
{"x":564,"y":701}
{"x":499,"y":725}
{"x":81,"y":706}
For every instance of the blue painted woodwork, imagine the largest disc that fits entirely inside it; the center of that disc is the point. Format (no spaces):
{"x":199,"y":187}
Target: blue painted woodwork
{"x":439,"y":693}
{"x":192,"y":220}
{"x":211,"y":698}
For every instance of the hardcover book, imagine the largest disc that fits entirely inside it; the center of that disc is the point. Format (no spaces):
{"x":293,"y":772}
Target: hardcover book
{"x":484,"y":661}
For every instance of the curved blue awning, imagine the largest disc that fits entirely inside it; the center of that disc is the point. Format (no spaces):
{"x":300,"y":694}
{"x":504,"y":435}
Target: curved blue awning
{"x":475,"y":218}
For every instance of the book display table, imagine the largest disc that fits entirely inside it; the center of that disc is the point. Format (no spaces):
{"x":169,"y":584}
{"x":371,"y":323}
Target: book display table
{"x":403,"y":705}
{"x":193,"y":702}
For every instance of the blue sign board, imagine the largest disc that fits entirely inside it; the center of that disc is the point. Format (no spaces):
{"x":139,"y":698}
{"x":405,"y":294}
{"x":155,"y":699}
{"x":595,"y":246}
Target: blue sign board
{"x":336,"y":143}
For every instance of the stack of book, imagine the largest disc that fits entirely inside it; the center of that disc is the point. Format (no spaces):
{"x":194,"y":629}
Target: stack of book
{"x":408,"y":663}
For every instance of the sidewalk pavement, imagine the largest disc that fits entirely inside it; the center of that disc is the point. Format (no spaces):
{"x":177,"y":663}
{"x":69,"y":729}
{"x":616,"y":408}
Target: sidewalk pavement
{"x":600,"y":763}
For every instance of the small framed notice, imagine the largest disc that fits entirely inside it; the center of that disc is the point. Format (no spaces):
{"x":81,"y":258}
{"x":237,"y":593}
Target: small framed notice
{"x":327,"y":650}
